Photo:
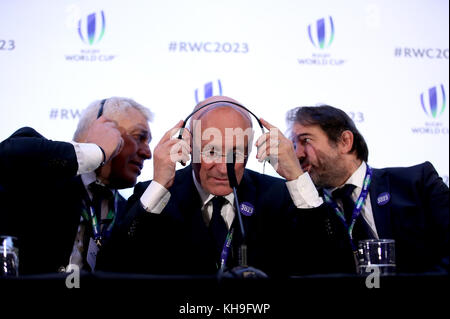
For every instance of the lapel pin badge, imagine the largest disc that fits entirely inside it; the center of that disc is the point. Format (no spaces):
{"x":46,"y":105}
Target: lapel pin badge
{"x":247,"y":209}
{"x":383,"y":198}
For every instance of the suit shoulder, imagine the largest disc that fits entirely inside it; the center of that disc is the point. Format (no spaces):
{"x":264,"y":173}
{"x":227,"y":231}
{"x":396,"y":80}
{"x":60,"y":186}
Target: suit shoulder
{"x":180,"y":176}
{"x":264,"y":180}
{"x":408,"y":170}
{"x":26,"y":131}
{"x":420,"y":173}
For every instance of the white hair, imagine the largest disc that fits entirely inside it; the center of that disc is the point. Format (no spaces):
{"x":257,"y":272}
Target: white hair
{"x":113,"y":108}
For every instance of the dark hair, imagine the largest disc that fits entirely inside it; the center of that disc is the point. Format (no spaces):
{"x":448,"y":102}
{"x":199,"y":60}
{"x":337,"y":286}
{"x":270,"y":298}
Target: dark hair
{"x":333,"y":122}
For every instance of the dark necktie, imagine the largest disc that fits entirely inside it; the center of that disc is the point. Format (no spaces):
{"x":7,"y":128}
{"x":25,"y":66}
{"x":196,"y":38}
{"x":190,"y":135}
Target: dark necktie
{"x":345,"y":195}
{"x":99,"y":194}
{"x":361,"y":228}
{"x":217,"y":225}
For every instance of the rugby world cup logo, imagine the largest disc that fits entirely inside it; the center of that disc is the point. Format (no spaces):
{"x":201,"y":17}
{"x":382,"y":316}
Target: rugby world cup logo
{"x":322,"y":34}
{"x":92,"y":29}
{"x":209,"y":89}
{"x":433,"y":101}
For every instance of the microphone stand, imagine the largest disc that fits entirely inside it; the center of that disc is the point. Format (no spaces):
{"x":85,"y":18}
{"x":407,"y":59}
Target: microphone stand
{"x":242,"y":270}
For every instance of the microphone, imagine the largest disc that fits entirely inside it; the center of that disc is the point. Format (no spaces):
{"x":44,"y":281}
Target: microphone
{"x":231,"y":160}
{"x":242,"y":270}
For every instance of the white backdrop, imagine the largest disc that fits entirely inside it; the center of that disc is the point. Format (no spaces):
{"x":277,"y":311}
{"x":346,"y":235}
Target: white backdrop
{"x":385,"y":62}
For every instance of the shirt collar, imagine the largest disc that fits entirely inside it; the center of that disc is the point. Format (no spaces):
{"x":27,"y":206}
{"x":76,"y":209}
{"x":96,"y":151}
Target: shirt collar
{"x":357,"y":178}
{"x":88,"y":178}
{"x":91,"y":177}
{"x":206,"y":197}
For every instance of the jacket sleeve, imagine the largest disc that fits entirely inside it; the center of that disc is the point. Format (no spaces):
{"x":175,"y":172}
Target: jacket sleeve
{"x":436,"y":195}
{"x":28,"y":155}
{"x":319,"y":242}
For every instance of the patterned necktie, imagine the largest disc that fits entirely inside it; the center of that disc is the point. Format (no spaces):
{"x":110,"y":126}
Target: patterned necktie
{"x":217,"y":225}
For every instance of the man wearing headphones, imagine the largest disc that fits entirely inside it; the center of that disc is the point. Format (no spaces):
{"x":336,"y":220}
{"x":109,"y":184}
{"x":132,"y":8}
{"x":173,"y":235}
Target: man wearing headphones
{"x":185,"y":221}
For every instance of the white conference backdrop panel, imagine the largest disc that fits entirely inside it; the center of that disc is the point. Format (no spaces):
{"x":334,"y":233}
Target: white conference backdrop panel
{"x":378,"y":61}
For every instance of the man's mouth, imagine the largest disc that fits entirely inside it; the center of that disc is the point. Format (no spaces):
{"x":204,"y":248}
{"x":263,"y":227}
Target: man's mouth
{"x":306,"y":167}
{"x":220,"y":179}
{"x":137,"y":164}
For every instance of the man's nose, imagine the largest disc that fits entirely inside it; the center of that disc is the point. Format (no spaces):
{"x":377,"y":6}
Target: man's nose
{"x":222,"y":167}
{"x":144,"y":151}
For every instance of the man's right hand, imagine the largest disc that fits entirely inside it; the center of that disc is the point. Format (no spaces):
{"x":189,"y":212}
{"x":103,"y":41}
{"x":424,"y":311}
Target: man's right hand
{"x":168,"y":152}
{"x":105,"y":134}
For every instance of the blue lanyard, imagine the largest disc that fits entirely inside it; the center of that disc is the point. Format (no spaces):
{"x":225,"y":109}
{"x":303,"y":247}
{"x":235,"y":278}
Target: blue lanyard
{"x":358,"y":205}
{"x":100,"y":235}
{"x":229,"y":238}
{"x":226,"y":249}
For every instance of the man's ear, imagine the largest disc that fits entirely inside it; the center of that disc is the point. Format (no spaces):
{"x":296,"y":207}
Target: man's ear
{"x":346,"y":142}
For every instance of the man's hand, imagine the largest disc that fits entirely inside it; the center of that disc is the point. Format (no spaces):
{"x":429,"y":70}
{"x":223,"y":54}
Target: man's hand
{"x":168,"y":152}
{"x":274,"y":146}
{"x":105,"y":134}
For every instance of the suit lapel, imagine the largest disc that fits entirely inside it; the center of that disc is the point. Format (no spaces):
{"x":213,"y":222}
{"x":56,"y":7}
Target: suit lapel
{"x":188,"y":208}
{"x":380,"y":198}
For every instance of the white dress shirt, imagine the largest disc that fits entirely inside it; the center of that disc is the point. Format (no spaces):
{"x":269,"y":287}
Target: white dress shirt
{"x":357,"y":179}
{"x":89,"y":157}
{"x":156,"y":197}
{"x":302,"y":191}
{"x":309,"y":198}
{"x":227,"y":211}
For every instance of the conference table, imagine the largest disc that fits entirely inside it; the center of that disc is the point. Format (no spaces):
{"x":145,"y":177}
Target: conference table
{"x":209,"y":296}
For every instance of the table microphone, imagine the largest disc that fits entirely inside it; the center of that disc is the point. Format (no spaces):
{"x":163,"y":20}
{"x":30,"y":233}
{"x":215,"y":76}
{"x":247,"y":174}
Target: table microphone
{"x":242,"y":270}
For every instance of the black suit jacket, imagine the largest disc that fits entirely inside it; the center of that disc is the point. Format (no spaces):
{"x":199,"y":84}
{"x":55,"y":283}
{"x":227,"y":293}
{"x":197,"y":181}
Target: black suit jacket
{"x":416,"y":216}
{"x":281,"y":239}
{"x":41,"y":199}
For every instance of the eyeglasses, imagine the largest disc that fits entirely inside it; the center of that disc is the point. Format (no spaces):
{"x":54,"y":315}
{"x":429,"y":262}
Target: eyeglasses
{"x":213,"y":155}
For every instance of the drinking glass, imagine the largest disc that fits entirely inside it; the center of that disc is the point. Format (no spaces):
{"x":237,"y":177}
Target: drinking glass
{"x":376,"y":253}
{"x":9,"y":256}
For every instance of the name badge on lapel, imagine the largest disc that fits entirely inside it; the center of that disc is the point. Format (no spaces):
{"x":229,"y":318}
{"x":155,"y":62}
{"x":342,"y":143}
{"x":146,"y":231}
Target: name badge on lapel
{"x":247,"y":209}
{"x":383,"y":198}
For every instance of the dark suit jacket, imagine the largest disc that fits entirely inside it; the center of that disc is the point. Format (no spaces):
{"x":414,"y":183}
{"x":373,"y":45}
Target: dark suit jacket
{"x":416,"y":215}
{"x":41,"y":199}
{"x":281,"y":239}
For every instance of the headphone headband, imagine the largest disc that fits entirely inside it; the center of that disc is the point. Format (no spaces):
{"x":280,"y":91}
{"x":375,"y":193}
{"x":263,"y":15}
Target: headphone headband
{"x":100,"y":111}
{"x":220,"y":101}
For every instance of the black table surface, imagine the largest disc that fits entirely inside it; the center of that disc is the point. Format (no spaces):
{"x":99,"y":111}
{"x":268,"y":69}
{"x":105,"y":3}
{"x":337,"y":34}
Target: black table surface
{"x":164,"y":296}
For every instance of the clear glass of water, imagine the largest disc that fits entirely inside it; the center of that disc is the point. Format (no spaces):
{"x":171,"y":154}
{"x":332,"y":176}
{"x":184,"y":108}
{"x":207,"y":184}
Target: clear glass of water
{"x":376,"y":254}
{"x":9,"y":256}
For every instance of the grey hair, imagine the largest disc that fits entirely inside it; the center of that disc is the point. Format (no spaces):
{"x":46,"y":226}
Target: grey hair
{"x":113,"y":108}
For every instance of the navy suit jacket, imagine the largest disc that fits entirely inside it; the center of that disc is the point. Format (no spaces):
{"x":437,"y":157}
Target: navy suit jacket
{"x":41,"y":199}
{"x":415,"y":213}
{"x":416,"y":216}
{"x":281,"y":239}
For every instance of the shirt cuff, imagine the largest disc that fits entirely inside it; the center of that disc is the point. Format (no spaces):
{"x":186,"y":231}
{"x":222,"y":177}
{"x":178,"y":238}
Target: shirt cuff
{"x":89,"y":157}
{"x":303,"y":192}
{"x":155,"y":198}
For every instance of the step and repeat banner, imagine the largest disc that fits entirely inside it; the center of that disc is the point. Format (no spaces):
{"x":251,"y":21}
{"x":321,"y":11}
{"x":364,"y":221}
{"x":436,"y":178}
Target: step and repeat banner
{"x":385,"y":62}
